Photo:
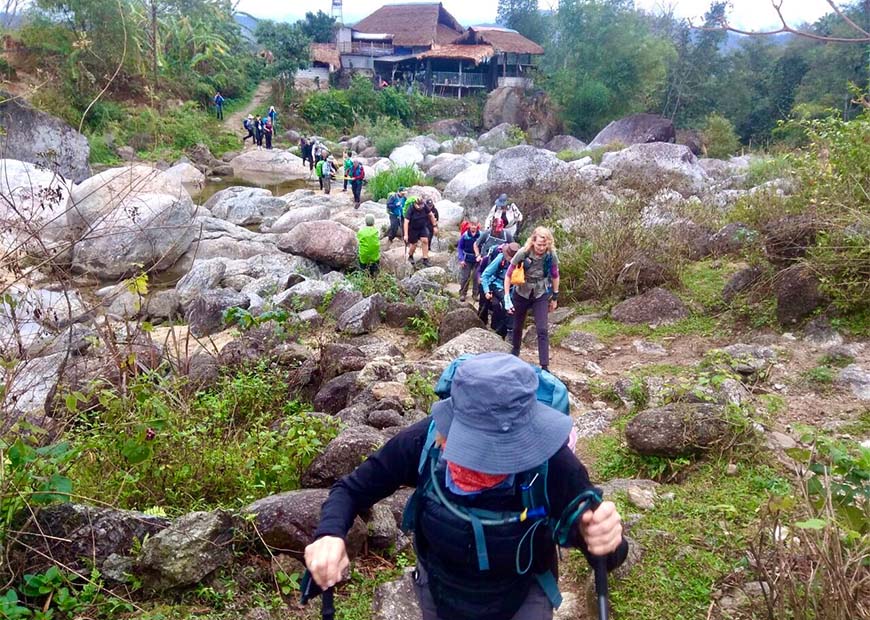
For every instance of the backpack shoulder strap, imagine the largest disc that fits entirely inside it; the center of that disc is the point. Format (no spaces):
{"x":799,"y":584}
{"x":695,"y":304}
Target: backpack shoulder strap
{"x":409,"y":514}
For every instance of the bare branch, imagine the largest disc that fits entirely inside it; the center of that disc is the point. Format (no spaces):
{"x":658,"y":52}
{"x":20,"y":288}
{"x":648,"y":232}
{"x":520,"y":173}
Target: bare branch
{"x":788,"y":29}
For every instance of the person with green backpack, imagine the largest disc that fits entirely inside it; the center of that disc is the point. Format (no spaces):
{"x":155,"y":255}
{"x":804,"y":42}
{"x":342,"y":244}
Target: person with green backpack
{"x":497,"y":491}
{"x":369,"y":241}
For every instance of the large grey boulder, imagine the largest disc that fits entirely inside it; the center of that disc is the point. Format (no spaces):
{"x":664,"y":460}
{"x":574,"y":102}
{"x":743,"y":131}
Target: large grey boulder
{"x":323,"y":241}
{"x":457,"y":322}
{"x":42,"y":139}
{"x":245,"y":205}
{"x":450,"y":214}
{"x":501,"y":136}
{"x":857,"y":380}
{"x":342,"y":456}
{"x":504,"y":105}
{"x":78,"y":536}
{"x":449,"y":127}
{"x":565,"y":143}
{"x":798,"y":294}
{"x":658,"y":165}
{"x":525,"y":165}
{"x":205,"y":275}
{"x":205,"y":313}
{"x":363,"y":317}
{"x":426,"y":144}
{"x":474,"y":341}
{"x":407,"y":155}
{"x":397,"y":600}
{"x":447,"y":166}
{"x":636,"y":129}
{"x":304,"y":295}
{"x":655,"y":307}
{"x":466,"y":181}
{"x":292,"y":218}
{"x":287,"y":521}
{"x":678,"y":429}
{"x":187,"y":551}
{"x":29,"y":385}
{"x":335,"y":394}
{"x":33,"y":213}
{"x":188,"y":176}
{"x":269,"y":167}
{"x":748,"y":359}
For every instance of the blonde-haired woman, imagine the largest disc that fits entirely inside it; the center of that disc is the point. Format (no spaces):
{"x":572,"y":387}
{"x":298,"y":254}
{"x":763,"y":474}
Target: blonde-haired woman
{"x":539,"y":292}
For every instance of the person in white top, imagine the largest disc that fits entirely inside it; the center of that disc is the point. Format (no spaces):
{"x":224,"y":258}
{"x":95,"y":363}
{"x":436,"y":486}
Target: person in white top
{"x":509,"y":213}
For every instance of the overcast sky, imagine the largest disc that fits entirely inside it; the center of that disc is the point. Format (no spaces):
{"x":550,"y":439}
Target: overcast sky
{"x":748,"y":14}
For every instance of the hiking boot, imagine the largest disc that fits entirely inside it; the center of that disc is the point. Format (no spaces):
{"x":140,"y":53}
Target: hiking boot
{"x":411,"y":260}
{"x":426,"y":262}
{"x":462,"y":298}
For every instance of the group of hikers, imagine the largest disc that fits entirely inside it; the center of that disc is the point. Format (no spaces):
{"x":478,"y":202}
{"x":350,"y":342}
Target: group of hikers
{"x":261,"y":128}
{"x":321,"y":161}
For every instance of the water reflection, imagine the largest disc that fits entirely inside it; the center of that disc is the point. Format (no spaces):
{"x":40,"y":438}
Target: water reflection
{"x":211,"y":188}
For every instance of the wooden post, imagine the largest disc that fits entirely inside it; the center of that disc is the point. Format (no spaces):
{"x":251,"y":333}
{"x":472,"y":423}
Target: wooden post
{"x":460,"y":79}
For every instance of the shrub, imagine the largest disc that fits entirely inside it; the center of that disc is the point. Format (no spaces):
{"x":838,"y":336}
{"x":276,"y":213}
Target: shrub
{"x":387,"y":134}
{"x":763,"y":169}
{"x":243,"y":438}
{"x":719,"y":136}
{"x":570,"y":155}
{"x":380,"y":185}
{"x":327,"y":109}
{"x":100,"y":151}
{"x":7,"y":71}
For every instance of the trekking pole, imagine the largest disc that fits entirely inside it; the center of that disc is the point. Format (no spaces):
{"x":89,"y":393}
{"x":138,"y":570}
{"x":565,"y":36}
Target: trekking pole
{"x":310,"y":589}
{"x":599,"y":568}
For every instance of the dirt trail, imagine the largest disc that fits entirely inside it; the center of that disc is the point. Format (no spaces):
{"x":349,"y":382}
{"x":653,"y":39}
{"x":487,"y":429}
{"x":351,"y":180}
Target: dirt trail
{"x":259,"y":102}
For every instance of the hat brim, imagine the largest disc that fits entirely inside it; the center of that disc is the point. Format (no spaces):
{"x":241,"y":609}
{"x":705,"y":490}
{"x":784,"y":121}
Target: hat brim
{"x":512,"y":452}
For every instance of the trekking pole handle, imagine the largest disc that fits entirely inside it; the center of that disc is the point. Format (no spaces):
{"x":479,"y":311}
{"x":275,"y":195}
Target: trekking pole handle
{"x":599,"y":567}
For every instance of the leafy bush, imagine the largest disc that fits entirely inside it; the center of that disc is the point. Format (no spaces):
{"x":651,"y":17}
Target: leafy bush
{"x":100,"y":151}
{"x":380,"y":185}
{"x":387,"y":134}
{"x":7,"y":71}
{"x":720,"y":137}
{"x":763,"y":169}
{"x":328,"y":109}
{"x":244,"y":438}
{"x":384,"y":283}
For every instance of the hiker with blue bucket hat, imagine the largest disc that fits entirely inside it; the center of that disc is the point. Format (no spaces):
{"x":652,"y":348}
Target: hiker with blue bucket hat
{"x":497,"y":490}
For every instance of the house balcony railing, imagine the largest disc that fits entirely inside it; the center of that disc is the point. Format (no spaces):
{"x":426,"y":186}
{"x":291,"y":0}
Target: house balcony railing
{"x":365,"y":48}
{"x":466,"y":80}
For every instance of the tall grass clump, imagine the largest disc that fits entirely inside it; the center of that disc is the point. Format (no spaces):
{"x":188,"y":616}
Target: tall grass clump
{"x":381,"y":185}
{"x":387,"y":134}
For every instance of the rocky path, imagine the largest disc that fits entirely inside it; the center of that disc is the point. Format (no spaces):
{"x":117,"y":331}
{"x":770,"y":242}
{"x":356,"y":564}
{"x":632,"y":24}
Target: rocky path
{"x":259,"y":102}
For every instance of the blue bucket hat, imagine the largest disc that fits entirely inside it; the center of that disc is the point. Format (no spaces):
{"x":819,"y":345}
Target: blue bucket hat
{"x":501,"y":201}
{"x":493,"y":421}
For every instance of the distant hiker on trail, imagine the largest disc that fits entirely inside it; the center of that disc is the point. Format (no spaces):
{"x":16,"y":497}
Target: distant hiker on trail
{"x":305,"y":150}
{"x":248,"y":124}
{"x":468,"y":256}
{"x":492,"y":287}
{"x":418,"y":219}
{"x":369,"y":239}
{"x":348,"y":164}
{"x":396,"y":211}
{"x":258,"y":131}
{"x":219,"y":105}
{"x":322,"y":169}
{"x":534,"y":276}
{"x":317,"y":149}
{"x":328,"y":173}
{"x":357,"y":176}
{"x":267,"y":133}
{"x":498,"y":490}
{"x":273,"y":116}
{"x":508,"y":213}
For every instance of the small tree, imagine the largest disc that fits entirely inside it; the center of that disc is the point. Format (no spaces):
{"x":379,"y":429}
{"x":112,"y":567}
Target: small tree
{"x":719,"y":137}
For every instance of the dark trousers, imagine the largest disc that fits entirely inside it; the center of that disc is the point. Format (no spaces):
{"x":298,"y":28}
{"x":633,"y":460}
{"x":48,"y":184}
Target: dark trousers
{"x":250,"y":135}
{"x":395,"y":227}
{"x":345,"y":181}
{"x":220,"y":112}
{"x":356,"y":186}
{"x":502,"y":322}
{"x":540,"y":309}
{"x":268,"y":141}
{"x":467,"y":271}
{"x":307,"y":157}
{"x":484,"y":307}
{"x":258,"y":138}
{"x":372,"y":268}
{"x":320,"y":180}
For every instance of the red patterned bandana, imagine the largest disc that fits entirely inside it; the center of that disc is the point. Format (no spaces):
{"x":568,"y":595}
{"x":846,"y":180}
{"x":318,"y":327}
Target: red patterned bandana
{"x":470,"y":481}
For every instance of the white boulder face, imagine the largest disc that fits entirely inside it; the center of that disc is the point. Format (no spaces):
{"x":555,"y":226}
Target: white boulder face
{"x":458,"y":145}
{"x":269,"y":167}
{"x":426,"y":144}
{"x":407,"y":155}
{"x":657,"y":165}
{"x":450,"y":214}
{"x":292,"y":218}
{"x":41,"y":201}
{"x":447,"y":166}
{"x":500,"y":137}
{"x":466,"y":181}
{"x":525,"y":165}
{"x":129,"y":219}
{"x":245,"y":205}
{"x":323,"y":241}
{"x":381,"y":165}
{"x":425,"y":192}
{"x":188,"y":176}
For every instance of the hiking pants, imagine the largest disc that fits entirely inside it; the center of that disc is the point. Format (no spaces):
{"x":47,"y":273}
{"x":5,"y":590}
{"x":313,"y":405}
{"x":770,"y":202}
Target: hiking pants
{"x":536,"y":606}
{"x":268,"y":141}
{"x":251,"y":136}
{"x":502,"y":322}
{"x":540,"y":309}
{"x":220,"y":112}
{"x":356,"y":186}
{"x":320,"y":180}
{"x":327,"y":183}
{"x":484,"y":306}
{"x":467,"y":271}
{"x":345,"y":181}
{"x":258,"y":137}
{"x":395,"y":226}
